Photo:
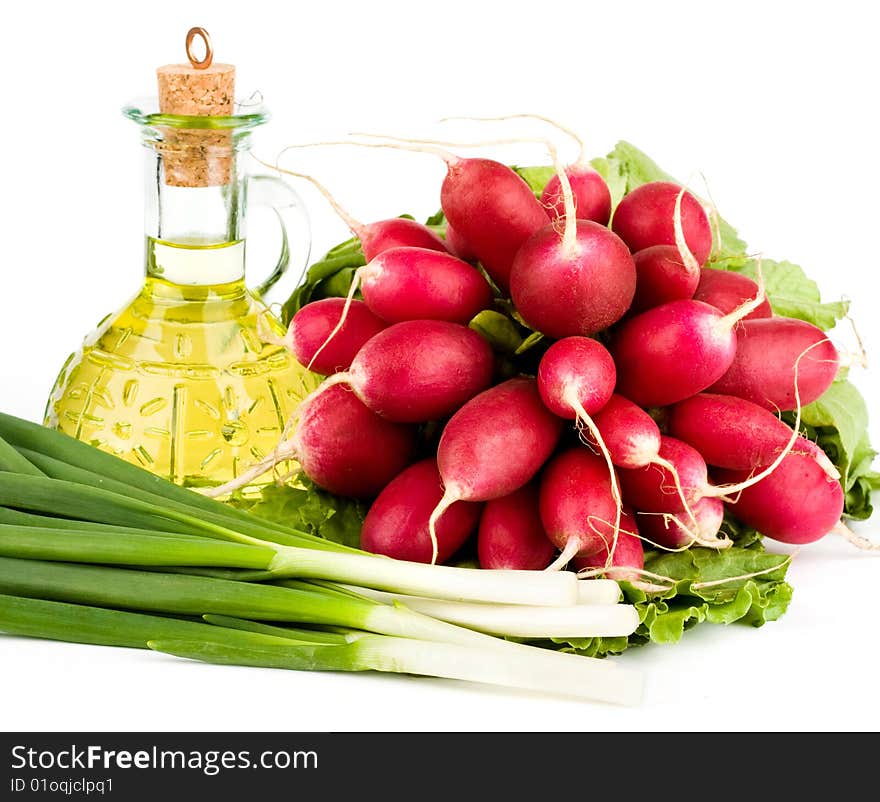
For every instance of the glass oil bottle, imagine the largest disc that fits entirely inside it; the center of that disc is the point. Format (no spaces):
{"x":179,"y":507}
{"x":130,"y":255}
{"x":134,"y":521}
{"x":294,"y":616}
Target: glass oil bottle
{"x":190,"y":379}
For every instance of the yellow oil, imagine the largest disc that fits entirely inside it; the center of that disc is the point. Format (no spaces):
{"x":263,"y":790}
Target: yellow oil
{"x":184,"y":381}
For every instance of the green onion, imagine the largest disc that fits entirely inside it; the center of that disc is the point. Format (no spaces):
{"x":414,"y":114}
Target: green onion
{"x":246,"y":644}
{"x":181,"y":594}
{"x":288,"y":633}
{"x":70,"y":499}
{"x":76,"y":623}
{"x":520,"y":621}
{"x":402,"y":655}
{"x":127,"y":548}
{"x":11,"y":460}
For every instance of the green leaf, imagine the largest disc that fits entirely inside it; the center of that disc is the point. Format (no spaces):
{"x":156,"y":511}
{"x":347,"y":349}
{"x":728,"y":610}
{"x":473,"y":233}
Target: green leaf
{"x":536,"y":177}
{"x":613,"y":173}
{"x":790,"y":292}
{"x":347,"y":256}
{"x":529,"y":342}
{"x":499,"y":330}
{"x":841,"y":413}
{"x":738,"y":585}
{"x":306,"y":507}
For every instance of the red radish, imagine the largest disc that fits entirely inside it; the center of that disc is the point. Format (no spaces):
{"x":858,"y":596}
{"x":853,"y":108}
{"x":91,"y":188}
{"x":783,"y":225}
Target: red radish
{"x":312,"y":325}
{"x":576,"y":283}
{"x":661,"y":276}
{"x":418,"y":371}
{"x":576,"y":378}
{"x":457,"y":245}
{"x":726,"y":290}
{"x":397,"y":523}
{"x":676,"y":350}
{"x":797,"y":503}
{"x":577,"y":504}
{"x":397,"y":232}
{"x":763,"y":369}
{"x":591,"y":194}
{"x":511,"y":535}
{"x":494,"y":211}
{"x":730,"y":432}
{"x":494,"y":444}
{"x":381,"y":236}
{"x":652,"y":489}
{"x":677,"y":532}
{"x":345,"y":448}
{"x":416,"y":284}
{"x":646,"y":216}
{"x":340,"y":445}
{"x":572,"y":285}
{"x":631,"y":434}
{"x":632,"y":438}
{"x":628,"y":558}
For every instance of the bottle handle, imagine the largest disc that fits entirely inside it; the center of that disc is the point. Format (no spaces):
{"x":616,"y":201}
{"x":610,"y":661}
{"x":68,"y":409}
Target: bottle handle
{"x":269,"y":191}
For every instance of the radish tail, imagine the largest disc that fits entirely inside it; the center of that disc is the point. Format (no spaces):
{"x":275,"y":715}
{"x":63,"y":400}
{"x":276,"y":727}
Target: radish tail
{"x":355,"y":283}
{"x":673,"y":471}
{"x":570,"y":551}
{"x":283,"y":452}
{"x":449,"y":158}
{"x":726,"y":490}
{"x":857,"y":540}
{"x":684,"y":251}
{"x":573,"y":401}
{"x":354,"y":225}
{"x":734,"y":317}
{"x":582,"y":159}
{"x":450,"y":496}
{"x":569,"y":232}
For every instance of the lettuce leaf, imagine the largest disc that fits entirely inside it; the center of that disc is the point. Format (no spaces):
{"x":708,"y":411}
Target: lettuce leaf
{"x":304,"y":506}
{"x":744,"y":585}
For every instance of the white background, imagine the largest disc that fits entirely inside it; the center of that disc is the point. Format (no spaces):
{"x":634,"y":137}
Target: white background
{"x":775,"y":102}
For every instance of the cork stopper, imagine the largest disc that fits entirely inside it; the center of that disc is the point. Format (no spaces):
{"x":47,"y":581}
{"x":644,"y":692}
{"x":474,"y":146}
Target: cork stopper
{"x":197,"y":157}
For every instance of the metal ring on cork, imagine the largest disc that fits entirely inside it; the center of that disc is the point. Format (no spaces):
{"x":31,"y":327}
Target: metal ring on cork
{"x":199,"y":64}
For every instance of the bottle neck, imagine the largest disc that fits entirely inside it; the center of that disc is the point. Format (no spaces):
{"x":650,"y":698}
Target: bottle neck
{"x":194,"y":212}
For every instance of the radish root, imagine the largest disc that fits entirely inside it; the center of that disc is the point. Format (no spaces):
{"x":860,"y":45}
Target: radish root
{"x":584,"y":419}
{"x":343,"y":316}
{"x":697,"y":539}
{"x":684,"y":251}
{"x":284,"y":451}
{"x":731,"y":319}
{"x":696,"y":585}
{"x":566,"y":556}
{"x":857,"y":540}
{"x":449,"y":158}
{"x":450,"y":496}
{"x":582,"y":159}
{"x":354,"y":225}
{"x":673,"y":472}
{"x":725,"y":490}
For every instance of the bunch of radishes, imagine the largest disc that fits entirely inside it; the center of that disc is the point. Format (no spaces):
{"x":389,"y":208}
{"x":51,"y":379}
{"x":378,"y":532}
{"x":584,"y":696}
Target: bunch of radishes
{"x":698,"y":348}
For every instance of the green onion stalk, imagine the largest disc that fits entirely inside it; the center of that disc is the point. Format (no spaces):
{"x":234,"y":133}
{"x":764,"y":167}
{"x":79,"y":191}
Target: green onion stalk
{"x":230,"y":641}
{"x":75,"y":480}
